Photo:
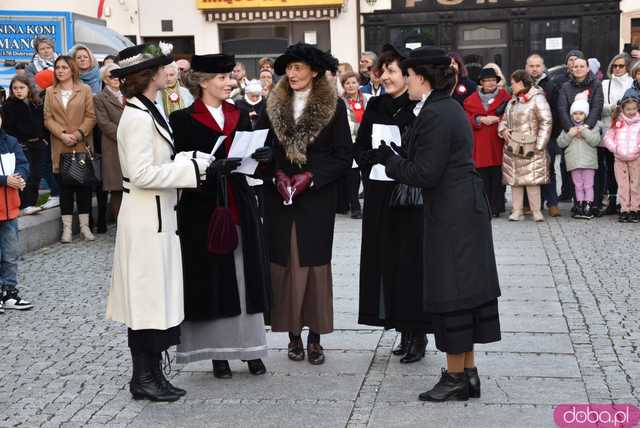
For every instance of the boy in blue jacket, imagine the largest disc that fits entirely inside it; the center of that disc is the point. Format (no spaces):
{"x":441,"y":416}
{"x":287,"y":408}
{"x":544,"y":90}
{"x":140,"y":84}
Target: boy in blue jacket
{"x":14,"y":170}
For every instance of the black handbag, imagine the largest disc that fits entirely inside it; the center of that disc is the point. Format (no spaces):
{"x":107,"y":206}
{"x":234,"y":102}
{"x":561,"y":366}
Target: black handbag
{"x":405,"y":196}
{"x":76,"y":168}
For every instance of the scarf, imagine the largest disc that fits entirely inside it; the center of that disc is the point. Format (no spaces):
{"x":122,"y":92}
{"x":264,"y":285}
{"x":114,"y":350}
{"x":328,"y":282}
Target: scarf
{"x":91,"y":77}
{"x":486,"y":98}
{"x":42,"y":64}
{"x":171,"y":99}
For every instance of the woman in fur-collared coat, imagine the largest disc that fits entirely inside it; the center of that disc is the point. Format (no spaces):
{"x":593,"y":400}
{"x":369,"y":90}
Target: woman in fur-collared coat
{"x":309,"y":132}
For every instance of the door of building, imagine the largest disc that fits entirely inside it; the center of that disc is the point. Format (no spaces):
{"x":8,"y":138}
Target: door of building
{"x":483,"y":43}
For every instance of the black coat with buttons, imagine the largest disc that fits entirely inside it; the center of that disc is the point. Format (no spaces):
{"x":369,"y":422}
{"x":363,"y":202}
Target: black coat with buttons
{"x":210,"y":283}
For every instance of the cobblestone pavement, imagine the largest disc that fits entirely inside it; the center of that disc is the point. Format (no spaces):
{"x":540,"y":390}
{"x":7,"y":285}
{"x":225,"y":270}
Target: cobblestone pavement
{"x":569,"y":315}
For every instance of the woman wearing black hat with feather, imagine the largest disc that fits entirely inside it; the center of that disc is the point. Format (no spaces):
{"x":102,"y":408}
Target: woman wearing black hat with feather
{"x":226,"y":289}
{"x":309,"y":131}
{"x":391,"y":256}
{"x":146,"y":286}
{"x":460,"y":278}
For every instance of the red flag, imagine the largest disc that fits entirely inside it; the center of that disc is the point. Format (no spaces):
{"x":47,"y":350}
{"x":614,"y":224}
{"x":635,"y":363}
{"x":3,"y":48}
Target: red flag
{"x":100,"y":8}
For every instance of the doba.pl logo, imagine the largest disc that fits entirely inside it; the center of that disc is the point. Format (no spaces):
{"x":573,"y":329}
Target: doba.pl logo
{"x":596,"y":415}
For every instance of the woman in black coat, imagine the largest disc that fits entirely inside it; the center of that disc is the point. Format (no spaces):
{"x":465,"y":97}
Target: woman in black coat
{"x":460,"y":278}
{"x":391,"y":255}
{"x":226,"y":290}
{"x":310,"y":135}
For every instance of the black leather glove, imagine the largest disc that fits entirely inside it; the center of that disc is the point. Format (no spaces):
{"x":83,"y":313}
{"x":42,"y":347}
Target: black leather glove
{"x":366,"y":158}
{"x":263,"y":154}
{"x":399,"y":150}
{"x":382,"y":153}
{"x":223,"y":166}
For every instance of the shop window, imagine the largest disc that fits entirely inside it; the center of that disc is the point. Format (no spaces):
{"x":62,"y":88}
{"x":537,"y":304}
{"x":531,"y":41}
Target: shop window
{"x":635,"y":32}
{"x":413,"y":36}
{"x":554,"y":38}
{"x":249,"y":39}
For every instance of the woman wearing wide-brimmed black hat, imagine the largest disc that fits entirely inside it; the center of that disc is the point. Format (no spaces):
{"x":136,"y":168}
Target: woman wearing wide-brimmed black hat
{"x":460,"y":279}
{"x":226,"y":290}
{"x":309,"y":131}
{"x":146,"y":286}
{"x":391,"y":256}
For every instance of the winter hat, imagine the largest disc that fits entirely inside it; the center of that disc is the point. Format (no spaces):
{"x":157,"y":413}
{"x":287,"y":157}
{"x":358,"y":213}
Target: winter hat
{"x":574,"y":52}
{"x":142,"y":57}
{"x":318,"y":60}
{"x":581,"y":106}
{"x":594,"y":65}
{"x":213,"y":63}
{"x":44,"y":78}
{"x":253,"y":87}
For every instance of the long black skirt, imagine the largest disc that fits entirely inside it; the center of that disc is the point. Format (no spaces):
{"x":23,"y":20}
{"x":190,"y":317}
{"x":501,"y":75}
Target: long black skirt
{"x":457,"y":332}
{"x":153,"y":341}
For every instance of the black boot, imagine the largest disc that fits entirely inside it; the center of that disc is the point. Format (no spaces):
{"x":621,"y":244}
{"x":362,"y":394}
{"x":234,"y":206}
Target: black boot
{"x":315,"y":352}
{"x":256,"y":367}
{"x":158,"y":372}
{"x":612,"y":208}
{"x":144,"y":385}
{"x":221,"y":369}
{"x":588,"y":210}
{"x":295,"y":348}
{"x":403,"y":346}
{"x":451,"y":386}
{"x":474,"y":382}
{"x":416,"y":349}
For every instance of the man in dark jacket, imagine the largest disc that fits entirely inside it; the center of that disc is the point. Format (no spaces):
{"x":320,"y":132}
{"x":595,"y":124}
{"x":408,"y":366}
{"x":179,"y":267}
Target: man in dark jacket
{"x":536,"y":68}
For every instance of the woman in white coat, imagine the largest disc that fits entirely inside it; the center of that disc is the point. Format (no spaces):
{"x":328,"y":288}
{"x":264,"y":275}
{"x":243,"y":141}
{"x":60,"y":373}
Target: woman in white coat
{"x":146,"y":289}
{"x":619,"y":81}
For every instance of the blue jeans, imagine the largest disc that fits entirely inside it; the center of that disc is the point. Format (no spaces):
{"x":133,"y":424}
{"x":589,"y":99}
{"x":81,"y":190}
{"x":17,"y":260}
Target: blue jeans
{"x":550,"y":191}
{"x":47,"y":174}
{"x":9,"y":255}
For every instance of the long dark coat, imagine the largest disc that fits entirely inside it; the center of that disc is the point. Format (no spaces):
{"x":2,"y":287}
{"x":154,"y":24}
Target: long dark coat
{"x":384,"y":232}
{"x":108,"y":112}
{"x":460,"y":267}
{"x":322,"y":136}
{"x":210,"y":285}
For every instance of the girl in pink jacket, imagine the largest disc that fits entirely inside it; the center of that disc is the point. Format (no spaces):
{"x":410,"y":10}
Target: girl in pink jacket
{"x":623,"y":140}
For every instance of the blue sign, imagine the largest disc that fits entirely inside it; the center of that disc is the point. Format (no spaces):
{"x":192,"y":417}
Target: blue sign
{"x":18,"y":30}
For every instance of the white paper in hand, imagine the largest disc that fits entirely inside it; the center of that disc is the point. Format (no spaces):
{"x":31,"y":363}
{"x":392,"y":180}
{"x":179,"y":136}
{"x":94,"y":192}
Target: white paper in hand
{"x":8,"y":164}
{"x":388,"y":134}
{"x":216,"y":146}
{"x":243,"y":146}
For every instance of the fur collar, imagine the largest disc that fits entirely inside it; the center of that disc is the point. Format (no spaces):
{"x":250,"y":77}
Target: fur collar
{"x":296,"y":136}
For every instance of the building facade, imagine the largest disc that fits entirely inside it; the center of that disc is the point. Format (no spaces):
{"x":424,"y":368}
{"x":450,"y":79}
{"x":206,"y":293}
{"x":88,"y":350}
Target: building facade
{"x":500,"y":31}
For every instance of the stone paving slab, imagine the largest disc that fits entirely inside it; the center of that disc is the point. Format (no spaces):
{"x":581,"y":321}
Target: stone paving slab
{"x":344,"y":339}
{"x":530,"y":307}
{"x":533,"y":324}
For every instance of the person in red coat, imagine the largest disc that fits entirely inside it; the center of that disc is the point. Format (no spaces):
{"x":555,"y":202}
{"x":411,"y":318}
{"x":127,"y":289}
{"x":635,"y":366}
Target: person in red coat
{"x":484,"y":108}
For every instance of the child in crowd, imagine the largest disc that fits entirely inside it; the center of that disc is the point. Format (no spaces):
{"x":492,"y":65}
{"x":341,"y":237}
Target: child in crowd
{"x":623,"y":140}
{"x":14,"y":170}
{"x":581,"y":157}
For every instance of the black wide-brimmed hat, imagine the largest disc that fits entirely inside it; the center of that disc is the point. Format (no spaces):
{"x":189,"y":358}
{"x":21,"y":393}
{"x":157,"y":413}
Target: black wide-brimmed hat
{"x":301,"y":52}
{"x":400,"y":51}
{"x":488,"y":73}
{"x":142,"y":57}
{"x":214,"y":63}
{"x":426,"y":55}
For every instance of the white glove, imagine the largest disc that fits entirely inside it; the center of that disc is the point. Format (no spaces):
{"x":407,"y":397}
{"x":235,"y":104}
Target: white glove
{"x":203,"y":164}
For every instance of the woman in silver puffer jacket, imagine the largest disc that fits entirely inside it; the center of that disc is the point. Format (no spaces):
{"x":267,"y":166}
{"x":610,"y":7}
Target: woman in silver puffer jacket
{"x":526,"y":128}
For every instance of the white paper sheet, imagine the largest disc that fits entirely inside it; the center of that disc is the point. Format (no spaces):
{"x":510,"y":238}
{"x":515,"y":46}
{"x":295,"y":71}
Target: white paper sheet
{"x":388,"y":134}
{"x":8,"y":163}
{"x":216,"y":146}
{"x":243,"y":146}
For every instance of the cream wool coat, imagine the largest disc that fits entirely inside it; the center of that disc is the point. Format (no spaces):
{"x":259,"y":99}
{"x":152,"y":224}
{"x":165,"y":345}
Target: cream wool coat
{"x":146,"y":287}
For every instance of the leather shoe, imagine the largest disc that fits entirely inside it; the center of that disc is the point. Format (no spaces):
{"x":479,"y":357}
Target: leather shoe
{"x":554,"y":212}
{"x":158,"y":373}
{"x":144,"y":385}
{"x":451,"y":386}
{"x":221,"y":369}
{"x":315,"y":353}
{"x":474,"y":382}
{"x":403,"y":346}
{"x":296,"y":349}
{"x":416,"y":349}
{"x":256,"y":367}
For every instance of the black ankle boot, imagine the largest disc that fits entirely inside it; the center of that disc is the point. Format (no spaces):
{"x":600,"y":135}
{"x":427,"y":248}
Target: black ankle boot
{"x":612,"y":207}
{"x":451,"y":386}
{"x":221,"y":369}
{"x":403,"y":346}
{"x":474,"y":382}
{"x":295,"y":348}
{"x":144,"y":385}
{"x":158,"y":372}
{"x":416,"y":349}
{"x":256,"y":367}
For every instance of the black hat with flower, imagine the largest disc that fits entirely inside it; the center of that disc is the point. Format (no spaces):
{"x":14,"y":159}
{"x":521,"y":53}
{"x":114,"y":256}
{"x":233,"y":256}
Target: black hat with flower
{"x":142,"y":57}
{"x":318,"y":60}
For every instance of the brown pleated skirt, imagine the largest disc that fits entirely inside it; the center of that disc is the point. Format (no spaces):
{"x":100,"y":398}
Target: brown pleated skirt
{"x":302,"y":295}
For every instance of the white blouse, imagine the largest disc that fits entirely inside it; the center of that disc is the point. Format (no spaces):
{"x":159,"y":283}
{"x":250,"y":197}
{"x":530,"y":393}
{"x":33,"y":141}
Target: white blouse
{"x":300,"y":99}
{"x":217,"y":114}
